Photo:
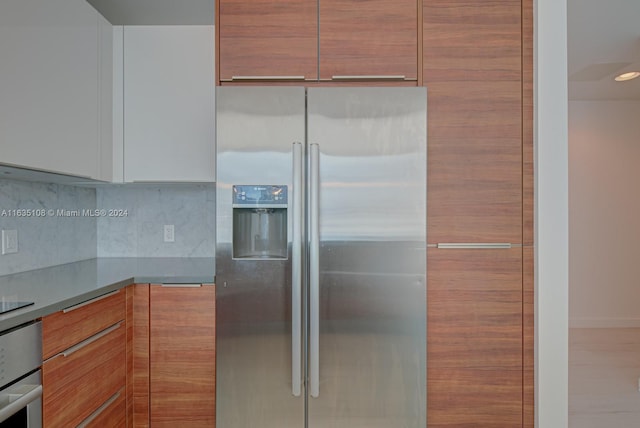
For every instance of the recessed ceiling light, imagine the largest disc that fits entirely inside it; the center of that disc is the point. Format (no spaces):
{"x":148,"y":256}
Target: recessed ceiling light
{"x":627,"y":76}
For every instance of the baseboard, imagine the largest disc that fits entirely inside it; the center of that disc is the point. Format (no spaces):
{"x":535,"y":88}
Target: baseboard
{"x":592,"y":322}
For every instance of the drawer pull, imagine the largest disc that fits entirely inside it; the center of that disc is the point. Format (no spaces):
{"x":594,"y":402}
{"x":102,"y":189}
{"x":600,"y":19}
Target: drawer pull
{"x":88,"y":302}
{"x":476,"y":245}
{"x":235,"y":78}
{"x":99,"y":410}
{"x":87,"y":342}
{"x":168,"y":285}
{"x":370,"y":77}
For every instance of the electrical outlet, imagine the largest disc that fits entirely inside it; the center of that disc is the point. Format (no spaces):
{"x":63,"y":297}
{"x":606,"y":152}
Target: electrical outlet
{"x":9,"y":241}
{"x":169,"y":233}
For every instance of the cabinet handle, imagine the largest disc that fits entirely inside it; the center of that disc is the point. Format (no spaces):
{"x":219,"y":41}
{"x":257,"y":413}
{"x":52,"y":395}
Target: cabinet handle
{"x":476,"y":246}
{"x":88,"y":302}
{"x":264,"y":78}
{"x":86,"y":342}
{"x":179,"y":285}
{"x":369,"y":77}
{"x":99,"y":410}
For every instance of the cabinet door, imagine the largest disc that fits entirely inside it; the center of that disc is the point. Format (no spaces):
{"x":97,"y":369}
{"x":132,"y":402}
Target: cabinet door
{"x":474,"y":331}
{"x":169,"y":95}
{"x":472,"y":69}
{"x":182,"y":356}
{"x":268,"y":38}
{"x":49,"y":90}
{"x":368,"y":38}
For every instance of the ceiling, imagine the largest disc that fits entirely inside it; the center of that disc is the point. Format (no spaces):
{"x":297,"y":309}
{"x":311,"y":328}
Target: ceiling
{"x":603,"y":41}
{"x":156,"y":12}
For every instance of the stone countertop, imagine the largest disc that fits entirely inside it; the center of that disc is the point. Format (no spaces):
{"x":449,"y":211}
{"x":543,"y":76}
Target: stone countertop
{"x":58,"y":287}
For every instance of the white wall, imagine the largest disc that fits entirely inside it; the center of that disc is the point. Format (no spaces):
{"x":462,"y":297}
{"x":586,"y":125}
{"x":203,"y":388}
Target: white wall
{"x":604,"y":208}
{"x":551,"y":214}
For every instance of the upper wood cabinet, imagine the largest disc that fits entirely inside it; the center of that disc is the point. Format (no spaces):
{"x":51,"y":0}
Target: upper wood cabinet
{"x":472,"y":67}
{"x":374,"y":38}
{"x":311,"y":40}
{"x":268,"y":38}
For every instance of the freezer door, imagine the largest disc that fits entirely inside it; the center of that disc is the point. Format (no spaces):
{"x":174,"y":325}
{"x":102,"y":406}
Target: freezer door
{"x":367,"y":342}
{"x":259,"y":368}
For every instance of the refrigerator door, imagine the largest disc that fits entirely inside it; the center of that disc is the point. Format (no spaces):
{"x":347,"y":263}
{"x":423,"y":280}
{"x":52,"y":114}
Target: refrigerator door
{"x":259,"y":368}
{"x":367,"y":362}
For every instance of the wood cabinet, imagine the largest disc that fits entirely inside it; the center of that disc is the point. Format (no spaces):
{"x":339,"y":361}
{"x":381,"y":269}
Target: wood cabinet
{"x":474,"y":337}
{"x":377,"y":38}
{"x":477,"y":66}
{"x":174,"y":357}
{"x":311,"y":40}
{"x":55,"y":101}
{"x":267,"y":38}
{"x":473,"y":72}
{"x":82,"y":372}
{"x":169,"y":99}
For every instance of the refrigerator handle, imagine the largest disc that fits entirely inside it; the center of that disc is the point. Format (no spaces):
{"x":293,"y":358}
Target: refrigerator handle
{"x":296,"y":273}
{"x":314,"y":272}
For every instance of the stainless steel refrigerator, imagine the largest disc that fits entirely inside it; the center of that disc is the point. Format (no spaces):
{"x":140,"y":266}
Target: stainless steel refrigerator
{"x":321,"y":257}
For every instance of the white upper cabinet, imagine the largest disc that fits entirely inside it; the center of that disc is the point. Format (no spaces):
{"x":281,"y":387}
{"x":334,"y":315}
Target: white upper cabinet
{"x":169,"y":90}
{"x":51,"y":86}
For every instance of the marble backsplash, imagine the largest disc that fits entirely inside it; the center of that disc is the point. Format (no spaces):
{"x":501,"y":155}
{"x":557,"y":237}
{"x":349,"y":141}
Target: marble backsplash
{"x":51,"y":226}
{"x":136,"y":228}
{"x":60,"y":224}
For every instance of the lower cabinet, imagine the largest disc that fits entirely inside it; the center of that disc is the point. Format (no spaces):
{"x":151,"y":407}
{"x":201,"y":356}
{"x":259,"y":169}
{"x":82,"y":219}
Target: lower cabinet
{"x":174,"y":356}
{"x":152,"y":365}
{"x":80,"y":381}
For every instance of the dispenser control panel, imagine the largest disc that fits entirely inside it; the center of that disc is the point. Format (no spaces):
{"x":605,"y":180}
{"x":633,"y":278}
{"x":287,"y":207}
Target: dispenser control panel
{"x":259,"y":196}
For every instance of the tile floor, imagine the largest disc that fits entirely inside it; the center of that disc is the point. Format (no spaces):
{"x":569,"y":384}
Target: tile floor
{"x":604,"y":367}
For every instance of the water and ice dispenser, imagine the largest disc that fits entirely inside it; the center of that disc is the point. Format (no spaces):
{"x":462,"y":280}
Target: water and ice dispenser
{"x":259,"y":222}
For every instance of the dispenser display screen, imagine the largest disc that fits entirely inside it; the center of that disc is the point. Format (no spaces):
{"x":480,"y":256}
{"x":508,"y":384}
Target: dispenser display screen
{"x":259,"y":195}
{"x":259,"y":222}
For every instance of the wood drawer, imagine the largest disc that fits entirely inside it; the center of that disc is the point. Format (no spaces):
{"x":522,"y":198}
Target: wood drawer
{"x":63,"y":329}
{"x":111,"y":414}
{"x":79,"y":380}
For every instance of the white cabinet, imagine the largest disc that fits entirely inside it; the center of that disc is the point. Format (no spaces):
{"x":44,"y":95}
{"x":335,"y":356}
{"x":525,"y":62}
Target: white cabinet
{"x":51,"y":97}
{"x":169,"y":90}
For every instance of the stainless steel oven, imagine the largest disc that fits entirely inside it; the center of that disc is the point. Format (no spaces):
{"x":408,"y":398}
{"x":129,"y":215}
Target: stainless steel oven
{"x":20,"y":377}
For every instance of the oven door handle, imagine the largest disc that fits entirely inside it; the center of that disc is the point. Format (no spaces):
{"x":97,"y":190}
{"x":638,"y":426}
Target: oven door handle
{"x":20,"y":400}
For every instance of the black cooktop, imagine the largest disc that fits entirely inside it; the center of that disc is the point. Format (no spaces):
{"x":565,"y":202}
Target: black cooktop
{"x":12,"y":306}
